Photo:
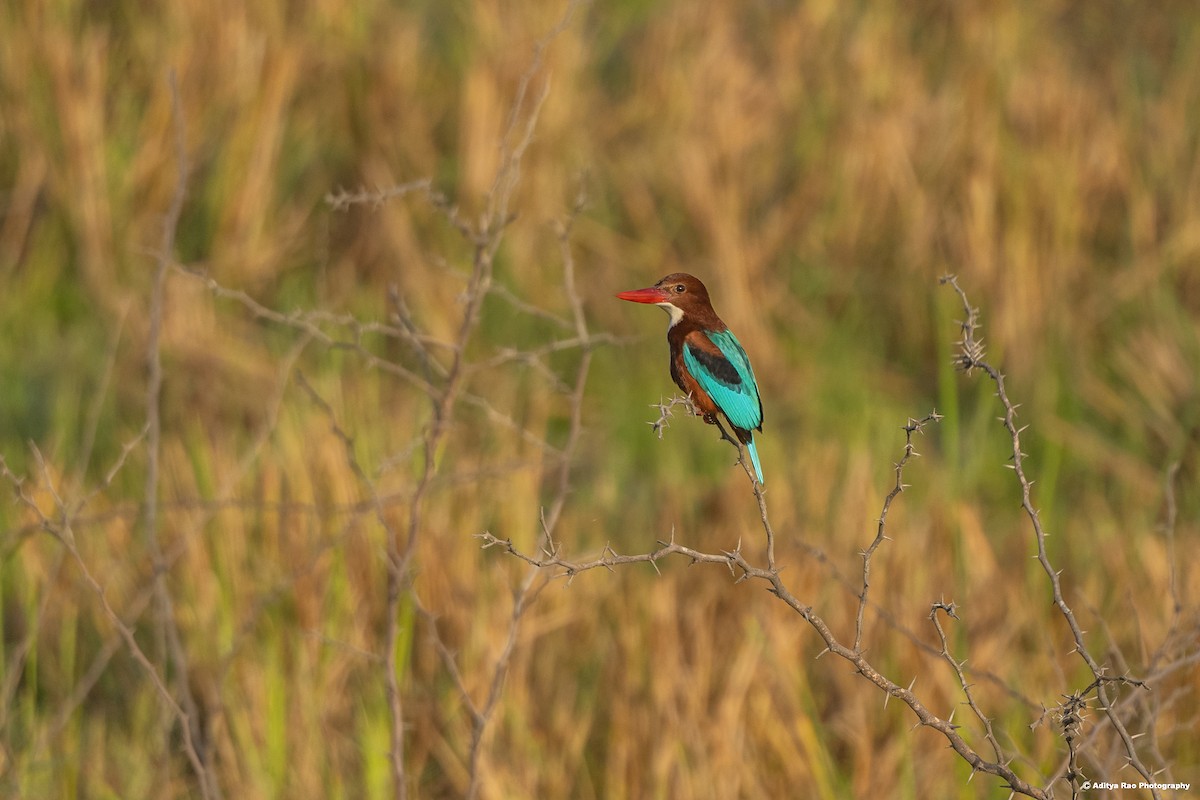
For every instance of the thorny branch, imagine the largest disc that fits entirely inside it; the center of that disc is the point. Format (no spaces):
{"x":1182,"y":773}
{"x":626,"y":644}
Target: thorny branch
{"x":666,"y":410}
{"x":971,"y":357}
{"x":951,"y":610}
{"x":1069,"y":714}
{"x":913,"y":426}
{"x":551,"y":557}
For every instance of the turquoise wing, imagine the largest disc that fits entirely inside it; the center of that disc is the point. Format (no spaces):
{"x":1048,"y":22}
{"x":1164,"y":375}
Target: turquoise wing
{"x":727,"y":378}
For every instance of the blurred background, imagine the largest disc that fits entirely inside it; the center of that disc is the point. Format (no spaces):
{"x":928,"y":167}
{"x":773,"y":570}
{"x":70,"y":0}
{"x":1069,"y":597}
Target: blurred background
{"x":819,"y":165}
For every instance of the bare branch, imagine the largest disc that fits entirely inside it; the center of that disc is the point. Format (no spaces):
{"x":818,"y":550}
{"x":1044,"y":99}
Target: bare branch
{"x":743,"y":570}
{"x":913,"y":426}
{"x":168,"y":630}
{"x":62,"y":531}
{"x":950,"y":610}
{"x":969,"y":357}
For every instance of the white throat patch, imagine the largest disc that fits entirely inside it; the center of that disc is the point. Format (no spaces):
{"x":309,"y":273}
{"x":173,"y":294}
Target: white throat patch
{"x":673,"y":311}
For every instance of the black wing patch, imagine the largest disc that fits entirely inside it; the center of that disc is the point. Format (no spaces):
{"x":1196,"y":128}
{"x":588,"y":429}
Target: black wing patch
{"x":717,"y":365}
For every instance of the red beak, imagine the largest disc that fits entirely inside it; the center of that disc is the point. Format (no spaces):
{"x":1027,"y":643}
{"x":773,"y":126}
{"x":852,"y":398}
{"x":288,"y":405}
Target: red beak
{"x":651,"y":295}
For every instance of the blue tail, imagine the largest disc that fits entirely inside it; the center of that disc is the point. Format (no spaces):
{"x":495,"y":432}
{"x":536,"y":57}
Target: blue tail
{"x":754,"y":460}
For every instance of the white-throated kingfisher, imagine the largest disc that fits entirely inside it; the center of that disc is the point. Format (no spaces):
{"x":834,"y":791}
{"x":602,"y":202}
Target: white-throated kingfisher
{"x":707,"y":361}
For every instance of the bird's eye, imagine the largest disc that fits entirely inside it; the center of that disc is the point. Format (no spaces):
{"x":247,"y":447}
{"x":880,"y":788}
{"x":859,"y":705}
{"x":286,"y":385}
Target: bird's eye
{"x":680,"y":288}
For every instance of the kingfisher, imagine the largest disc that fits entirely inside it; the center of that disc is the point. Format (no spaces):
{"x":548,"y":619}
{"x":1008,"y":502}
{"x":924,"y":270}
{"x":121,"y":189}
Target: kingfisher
{"x":707,"y":361}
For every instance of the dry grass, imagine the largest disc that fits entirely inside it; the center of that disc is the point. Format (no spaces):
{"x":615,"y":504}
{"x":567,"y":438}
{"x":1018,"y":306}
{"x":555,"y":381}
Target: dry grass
{"x":819,"y":166}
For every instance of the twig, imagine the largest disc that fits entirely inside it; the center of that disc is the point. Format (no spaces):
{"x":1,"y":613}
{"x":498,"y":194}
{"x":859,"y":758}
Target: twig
{"x":970,"y":357}
{"x":913,"y":426}
{"x":950,"y":610}
{"x":168,"y":630}
{"x":527,"y":592}
{"x":485,"y":237}
{"x":742,"y":570}
{"x":342,"y":199}
{"x":666,"y":410}
{"x":63,"y":532}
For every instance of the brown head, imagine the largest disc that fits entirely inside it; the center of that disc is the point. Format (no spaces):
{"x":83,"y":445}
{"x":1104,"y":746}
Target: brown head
{"x":680,"y":295}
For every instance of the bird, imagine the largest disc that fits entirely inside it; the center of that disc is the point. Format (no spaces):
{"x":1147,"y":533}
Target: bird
{"x":707,"y":361}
